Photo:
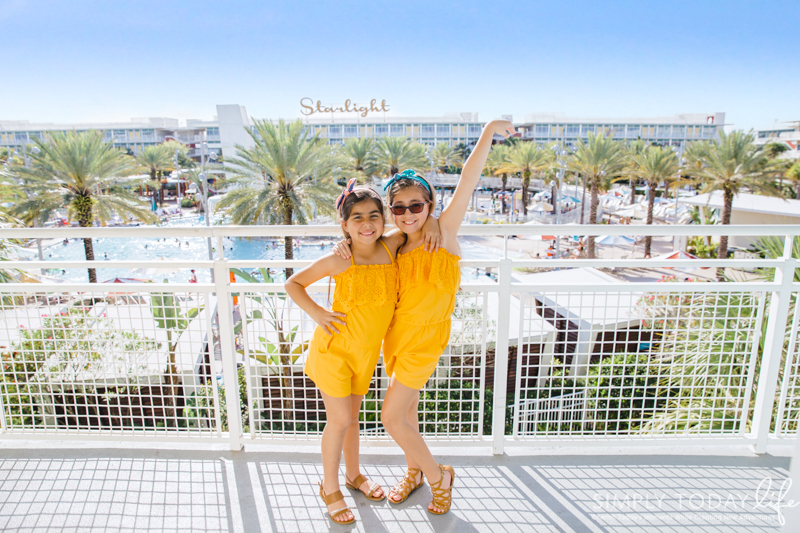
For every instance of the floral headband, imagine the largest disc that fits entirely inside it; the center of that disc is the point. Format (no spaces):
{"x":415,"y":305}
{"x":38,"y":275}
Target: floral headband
{"x":408,"y":175}
{"x":345,"y":193}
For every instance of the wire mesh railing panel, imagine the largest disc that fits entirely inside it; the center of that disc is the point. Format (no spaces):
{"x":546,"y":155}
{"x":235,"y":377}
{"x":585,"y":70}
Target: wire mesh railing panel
{"x":273,"y":343}
{"x":452,"y":401}
{"x":115,"y":361}
{"x":282,"y":401}
{"x":613,"y":363}
{"x":787,"y":419}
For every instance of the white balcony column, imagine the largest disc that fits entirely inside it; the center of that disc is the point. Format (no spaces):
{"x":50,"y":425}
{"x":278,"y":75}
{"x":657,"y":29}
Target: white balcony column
{"x":226,"y":340}
{"x":501,"y":358}
{"x":773,"y":347}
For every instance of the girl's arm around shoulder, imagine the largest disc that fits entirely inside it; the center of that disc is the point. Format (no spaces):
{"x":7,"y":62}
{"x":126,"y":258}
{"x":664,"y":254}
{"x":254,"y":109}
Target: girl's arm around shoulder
{"x":328,"y":265}
{"x":452,"y":216}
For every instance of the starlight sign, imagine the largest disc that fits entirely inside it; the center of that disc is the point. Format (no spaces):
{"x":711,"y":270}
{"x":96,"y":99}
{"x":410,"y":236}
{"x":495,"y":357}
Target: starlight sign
{"x":310,"y":107}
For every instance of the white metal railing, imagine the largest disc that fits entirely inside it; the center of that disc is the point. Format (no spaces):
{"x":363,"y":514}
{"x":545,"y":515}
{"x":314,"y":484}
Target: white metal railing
{"x":544,"y":359}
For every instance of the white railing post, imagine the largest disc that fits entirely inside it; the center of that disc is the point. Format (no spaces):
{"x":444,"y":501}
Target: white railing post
{"x":229,"y":373}
{"x":501,"y":358}
{"x":773,"y":347}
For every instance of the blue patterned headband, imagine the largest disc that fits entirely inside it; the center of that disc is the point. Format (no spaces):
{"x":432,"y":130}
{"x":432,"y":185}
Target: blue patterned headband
{"x":408,"y":175}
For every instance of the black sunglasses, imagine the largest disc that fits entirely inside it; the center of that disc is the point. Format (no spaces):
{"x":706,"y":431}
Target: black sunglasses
{"x":401,"y":209}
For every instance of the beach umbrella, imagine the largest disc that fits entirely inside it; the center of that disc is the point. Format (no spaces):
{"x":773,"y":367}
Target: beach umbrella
{"x":678,"y":255}
{"x":615,"y":240}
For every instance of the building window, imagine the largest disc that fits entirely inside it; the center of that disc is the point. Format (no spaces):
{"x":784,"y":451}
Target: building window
{"x":334,"y":131}
{"x":541,"y":129}
{"x":381,"y":130}
{"x":427,"y":129}
{"x":663,"y":131}
{"x":586,"y":128}
{"x":213,"y":133}
{"x":634,"y":131}
{"x":351,"y":131}
{"x":443,"y":130}
{"x":21,"y":137}
{"x":474,"y":129}
{"x":678,"y":131}
{"x":573,"y":130}
{"x":397,"y":130}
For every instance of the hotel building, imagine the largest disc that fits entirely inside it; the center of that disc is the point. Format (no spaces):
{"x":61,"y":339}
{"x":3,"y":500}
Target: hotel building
{"x":228,"y":128}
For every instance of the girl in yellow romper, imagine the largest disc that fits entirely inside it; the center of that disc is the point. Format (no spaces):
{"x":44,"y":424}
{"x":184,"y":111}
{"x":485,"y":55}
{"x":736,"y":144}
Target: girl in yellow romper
{"x":347,"y":341}
{"x":420,"y":329}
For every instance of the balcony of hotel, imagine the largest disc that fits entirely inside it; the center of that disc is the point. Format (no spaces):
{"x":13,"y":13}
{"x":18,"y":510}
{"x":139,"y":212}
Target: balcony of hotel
{"x":568,"y":398}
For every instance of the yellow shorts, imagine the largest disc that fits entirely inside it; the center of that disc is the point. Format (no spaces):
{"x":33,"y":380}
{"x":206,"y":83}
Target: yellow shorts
{"x":340,"y":366}
{"x":411,"y":352}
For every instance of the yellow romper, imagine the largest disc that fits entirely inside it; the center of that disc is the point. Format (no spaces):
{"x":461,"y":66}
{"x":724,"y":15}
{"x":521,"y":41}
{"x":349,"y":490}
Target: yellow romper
{"x":420,"y":328}
{"x":342,"y":364}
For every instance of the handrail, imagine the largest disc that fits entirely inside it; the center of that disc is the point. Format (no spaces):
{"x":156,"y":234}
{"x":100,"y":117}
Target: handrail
{"x":500,"y":230}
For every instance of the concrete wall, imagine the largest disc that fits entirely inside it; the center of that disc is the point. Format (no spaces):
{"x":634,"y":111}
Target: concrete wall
{"x":749,"y":218}
{"x":232,"y":123}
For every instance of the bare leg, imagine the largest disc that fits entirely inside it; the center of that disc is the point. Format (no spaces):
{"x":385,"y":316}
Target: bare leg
{"x":337,"y":412}
{"x":351,"y":461}
{"x":399,"y":399}
{"x":413,"y":421}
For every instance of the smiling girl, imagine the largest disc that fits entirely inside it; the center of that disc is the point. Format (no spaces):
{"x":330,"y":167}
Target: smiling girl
{"x":420,"y":329}
{"x":346,"y":344}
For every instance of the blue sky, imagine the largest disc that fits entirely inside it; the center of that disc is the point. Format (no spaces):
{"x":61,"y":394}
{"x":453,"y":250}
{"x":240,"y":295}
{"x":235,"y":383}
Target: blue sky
{"x":84,"y":61}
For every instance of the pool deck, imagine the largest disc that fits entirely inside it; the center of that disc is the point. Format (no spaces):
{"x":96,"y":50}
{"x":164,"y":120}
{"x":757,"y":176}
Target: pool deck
{"x":74,"y":487}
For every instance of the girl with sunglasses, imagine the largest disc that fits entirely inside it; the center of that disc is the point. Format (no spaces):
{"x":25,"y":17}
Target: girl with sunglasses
{"x":346,"y":344}
{"x":420,"y":328}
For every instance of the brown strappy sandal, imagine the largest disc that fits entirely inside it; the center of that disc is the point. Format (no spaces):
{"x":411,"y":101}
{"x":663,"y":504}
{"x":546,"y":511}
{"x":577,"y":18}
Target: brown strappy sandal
{"x":360,"y":480}
{"x":443,"y":498}
{"x":333,"y":498}
{"x":407,"y":485}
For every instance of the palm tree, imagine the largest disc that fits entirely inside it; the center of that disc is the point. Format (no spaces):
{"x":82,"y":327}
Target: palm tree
{"x":155,"y":160}
{"x":526,"y":158}
{"x":357,"y":159}
{"x":654,"y":164}
{"x":79,"y":171}
{"x":444,"y":156}
{"x":394,"y":154}
{"x":498,"y":157}
{"x":599,"y":159}
{"x":728,"y":165}
{"x":282,"y":179}
{"x":793,"y":175}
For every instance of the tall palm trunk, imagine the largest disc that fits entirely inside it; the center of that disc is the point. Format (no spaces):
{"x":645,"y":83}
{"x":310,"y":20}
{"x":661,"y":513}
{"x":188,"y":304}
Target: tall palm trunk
{"x":83,"y":205}
{"x":526,"y":181}
{"x":651,"y":200}
{"x":797,"y":190}
{"x":593,"y":215}
{"x":583,"y":199}
{"x":285,"y":348}
{"x":722,"y":252}
{"x":153,"y":178}
{"x":288,"y":251}
{"x":632,"y":199}
{"x":503,"y":181}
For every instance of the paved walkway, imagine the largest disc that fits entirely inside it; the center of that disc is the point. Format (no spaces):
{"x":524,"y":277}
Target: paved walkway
{"x":62,"y":489}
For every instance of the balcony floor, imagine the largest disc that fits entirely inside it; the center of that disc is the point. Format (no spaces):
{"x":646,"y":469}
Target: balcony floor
{"x":73,"y":487}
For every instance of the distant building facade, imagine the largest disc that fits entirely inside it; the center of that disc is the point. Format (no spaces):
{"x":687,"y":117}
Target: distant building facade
{"x":229,"y":128}
{"x":789,"y":136}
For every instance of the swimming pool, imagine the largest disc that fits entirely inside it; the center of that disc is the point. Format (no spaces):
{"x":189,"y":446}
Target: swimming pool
{"x":189,"y":249}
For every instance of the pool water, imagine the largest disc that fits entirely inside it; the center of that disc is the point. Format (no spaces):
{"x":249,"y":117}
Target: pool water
{"x":189,"y":249}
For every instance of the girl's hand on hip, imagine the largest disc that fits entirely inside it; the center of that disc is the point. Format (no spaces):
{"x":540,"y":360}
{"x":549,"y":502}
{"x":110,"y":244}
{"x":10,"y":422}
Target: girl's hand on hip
{"x":342,"y":249}
{"x":328,"y":320}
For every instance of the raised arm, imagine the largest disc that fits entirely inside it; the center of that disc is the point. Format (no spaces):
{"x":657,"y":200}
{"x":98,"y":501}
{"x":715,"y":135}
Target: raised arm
{"x":453,"y":214}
